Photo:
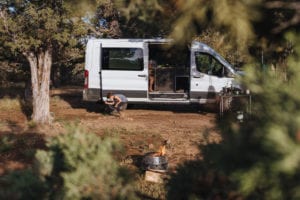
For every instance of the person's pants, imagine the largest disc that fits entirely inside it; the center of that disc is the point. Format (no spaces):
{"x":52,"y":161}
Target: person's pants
{"x":121,"y":106}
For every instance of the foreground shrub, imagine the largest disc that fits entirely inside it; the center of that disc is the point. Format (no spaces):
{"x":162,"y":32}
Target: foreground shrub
{"x":21,"y":185}
{"x":80,"y":165}
{"x":258,"y":159}
{"x":75,"y":165}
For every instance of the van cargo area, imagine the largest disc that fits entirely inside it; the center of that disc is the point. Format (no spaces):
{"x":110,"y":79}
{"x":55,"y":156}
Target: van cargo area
{"x":171,"y":71}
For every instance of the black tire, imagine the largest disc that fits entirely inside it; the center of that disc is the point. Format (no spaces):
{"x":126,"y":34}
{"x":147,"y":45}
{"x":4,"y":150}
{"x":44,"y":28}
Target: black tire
{"x":109,"y":109}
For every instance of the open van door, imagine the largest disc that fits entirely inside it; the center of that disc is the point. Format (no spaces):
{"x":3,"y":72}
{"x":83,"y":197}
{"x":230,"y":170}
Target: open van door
{"x":209,"y":74}
{"x":124,"y":69}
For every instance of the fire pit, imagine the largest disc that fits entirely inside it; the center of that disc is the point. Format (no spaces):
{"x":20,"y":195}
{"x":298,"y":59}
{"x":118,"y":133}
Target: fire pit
{"x":156,"y":164}
{"x":153,"y":161}
{"x":156,"y":161}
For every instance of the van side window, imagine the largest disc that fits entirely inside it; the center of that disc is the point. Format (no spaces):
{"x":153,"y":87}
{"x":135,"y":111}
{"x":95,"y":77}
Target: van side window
{"x":209,"y":65}
{"x":122,"y":59}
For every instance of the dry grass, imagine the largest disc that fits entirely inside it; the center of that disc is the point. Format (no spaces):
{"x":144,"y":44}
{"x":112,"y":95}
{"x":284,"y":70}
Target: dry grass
{"x":9,"y":104}
{"x":3,"y":124}
{"x":149,"y":190}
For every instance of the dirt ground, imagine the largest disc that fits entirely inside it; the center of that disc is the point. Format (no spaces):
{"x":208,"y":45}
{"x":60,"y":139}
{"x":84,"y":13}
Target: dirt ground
{"x":141,"y":128}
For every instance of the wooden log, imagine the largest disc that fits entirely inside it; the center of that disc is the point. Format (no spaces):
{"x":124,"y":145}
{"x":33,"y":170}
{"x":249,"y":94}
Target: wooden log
{"x":153,"y":176}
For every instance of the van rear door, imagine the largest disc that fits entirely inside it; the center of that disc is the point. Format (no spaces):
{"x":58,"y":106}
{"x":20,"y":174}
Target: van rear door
{"x":123,"y":69}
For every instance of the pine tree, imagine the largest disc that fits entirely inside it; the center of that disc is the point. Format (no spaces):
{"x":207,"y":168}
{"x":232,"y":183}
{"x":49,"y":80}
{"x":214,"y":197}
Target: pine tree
{"x":36,"y":30}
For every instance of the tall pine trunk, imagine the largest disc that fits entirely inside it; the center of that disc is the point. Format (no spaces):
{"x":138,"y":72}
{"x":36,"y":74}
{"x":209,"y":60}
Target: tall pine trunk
{"x":40,"y":67}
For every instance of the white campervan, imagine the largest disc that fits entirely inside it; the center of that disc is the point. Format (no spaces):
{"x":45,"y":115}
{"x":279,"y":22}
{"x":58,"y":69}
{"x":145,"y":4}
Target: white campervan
{"x":194,"y":74}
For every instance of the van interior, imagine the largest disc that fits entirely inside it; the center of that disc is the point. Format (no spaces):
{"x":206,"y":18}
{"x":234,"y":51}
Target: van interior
{"x":171,"y":71}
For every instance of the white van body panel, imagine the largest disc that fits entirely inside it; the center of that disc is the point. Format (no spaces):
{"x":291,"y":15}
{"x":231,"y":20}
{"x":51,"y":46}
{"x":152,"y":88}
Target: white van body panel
{"x":200,"y":87}
{"x":133,"y":81}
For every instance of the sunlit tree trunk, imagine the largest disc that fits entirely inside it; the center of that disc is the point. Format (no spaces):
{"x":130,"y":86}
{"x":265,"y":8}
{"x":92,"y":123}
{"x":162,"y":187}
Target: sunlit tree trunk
{"x":40,"y":66}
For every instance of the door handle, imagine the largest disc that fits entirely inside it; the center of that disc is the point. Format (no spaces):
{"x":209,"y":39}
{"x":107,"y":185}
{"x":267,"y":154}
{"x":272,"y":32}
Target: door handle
{"x":199,"y":76}
{"x":142,"y":75}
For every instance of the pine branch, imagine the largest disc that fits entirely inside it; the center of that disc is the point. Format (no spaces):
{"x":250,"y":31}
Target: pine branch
{"x":285,"y":5}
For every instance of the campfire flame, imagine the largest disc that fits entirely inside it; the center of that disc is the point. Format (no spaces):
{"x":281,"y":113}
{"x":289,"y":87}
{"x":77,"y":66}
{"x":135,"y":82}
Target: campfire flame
{"x":161,"y":151}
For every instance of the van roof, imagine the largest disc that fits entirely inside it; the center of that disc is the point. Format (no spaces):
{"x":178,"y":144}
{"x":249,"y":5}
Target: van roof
{"x":195,"y":44}
{"x":154,"y":40}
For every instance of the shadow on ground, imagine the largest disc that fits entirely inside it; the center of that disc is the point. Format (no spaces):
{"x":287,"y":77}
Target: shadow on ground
{"x":17,"y":150}
{"x":12,"y":92}
{"x":74,"y":98}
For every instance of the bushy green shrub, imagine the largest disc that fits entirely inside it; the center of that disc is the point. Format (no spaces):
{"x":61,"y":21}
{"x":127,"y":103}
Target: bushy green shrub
{"x":258,"y":159}
{"x":75,"y":165}
{"x":81,"y":165}
{"x":269,"y":164}
{"x":22,"y":185}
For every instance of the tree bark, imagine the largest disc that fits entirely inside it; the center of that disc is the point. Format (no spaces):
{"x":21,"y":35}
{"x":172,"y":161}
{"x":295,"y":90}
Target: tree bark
{"x":40,"y":67}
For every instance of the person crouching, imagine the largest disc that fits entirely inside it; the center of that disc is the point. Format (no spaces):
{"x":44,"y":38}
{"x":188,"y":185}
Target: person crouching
{"x":116,"y":102}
